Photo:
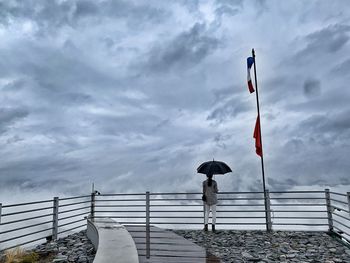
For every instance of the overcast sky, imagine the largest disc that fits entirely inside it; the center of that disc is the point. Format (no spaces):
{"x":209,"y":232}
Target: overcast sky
{"x":134,"y":95}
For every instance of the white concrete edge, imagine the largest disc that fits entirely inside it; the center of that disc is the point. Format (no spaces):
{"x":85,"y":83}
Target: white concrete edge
{"x":92,"y":233}
{"x":111,"y":241}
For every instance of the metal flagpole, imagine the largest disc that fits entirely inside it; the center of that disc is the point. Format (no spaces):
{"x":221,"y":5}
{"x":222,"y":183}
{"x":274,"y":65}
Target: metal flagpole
{"x":262,"y":152}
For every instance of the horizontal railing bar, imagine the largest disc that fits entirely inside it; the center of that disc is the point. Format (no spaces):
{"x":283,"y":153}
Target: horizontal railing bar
{"x":199,"y":193}
{"x":238,"y":193}
{"x":72,"y":228}
{"x":335,"y":220}
{"x":221,"y":205}
{"x":199,"y":199}
{"x":26,"y":211}
{"x":338,"y":194}
{"x":297,"y":204}
{"x":339,"y":201}
{"x":341,"y":216}
{"x":75,"y":209}
{"x":68,"y":217}
{"x":120,"y":205}
{"x":25,"y":219}
{"x":122,"y":194}
{"x":195,"y":223}
{"x":297,"y":198}
{"x":300,"y":211}
{"x":25,"y":227}
{"x":297,"y":192}
{"x":120,"y":200}
{"x":298,"y":224}
{"x":17,"y":237}
{"x":299,"y":217}
{"x":21,"y":244}
{"x":134,"y":217}
{"x":175,"y":199}
{"x":74,"y":197}
{"x":181,"y":193}
{"x":339,"y":208}
{"x":29,"y":203}
{"x":341,"y":230}
{"x":202,"y":217}
{"x":180,"y":205}
{"x":83,"y":202}
{"x":132,"y":211}
{"x":73,"y":222}
{"x":187,"y":211}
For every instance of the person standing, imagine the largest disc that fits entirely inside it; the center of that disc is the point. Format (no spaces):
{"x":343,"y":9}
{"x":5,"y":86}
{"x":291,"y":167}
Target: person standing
{"x":210,"y":190}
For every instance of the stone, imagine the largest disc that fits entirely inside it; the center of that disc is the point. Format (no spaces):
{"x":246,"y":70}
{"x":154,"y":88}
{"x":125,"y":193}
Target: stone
{"x":60,"y":259}
{"x":277,"y":246}
{"x":71,"y":248}
{"x":283,"y":257}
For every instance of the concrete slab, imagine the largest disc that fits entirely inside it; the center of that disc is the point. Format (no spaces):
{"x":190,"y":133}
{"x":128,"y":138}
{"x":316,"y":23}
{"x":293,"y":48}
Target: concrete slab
{"x":115,"y":244}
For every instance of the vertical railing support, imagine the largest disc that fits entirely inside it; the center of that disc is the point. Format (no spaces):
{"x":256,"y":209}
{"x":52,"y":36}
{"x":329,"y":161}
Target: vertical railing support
{"x":268,"y":210}
{"x":329,"y":210}
{"x":204,"y":213}
{"x":0,"y":211}
{"x":55,"y":218}
{"x":148,"y":248}
{"x":92,"y":207}
{"x":348,"y":194}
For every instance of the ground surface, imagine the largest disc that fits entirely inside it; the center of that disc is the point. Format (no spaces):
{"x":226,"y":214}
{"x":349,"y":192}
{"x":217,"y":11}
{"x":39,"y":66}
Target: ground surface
{"x":72,"y":248}
{"x":278,"y":246}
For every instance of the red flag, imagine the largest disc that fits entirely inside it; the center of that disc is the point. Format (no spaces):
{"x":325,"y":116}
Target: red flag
{"x":257,"y":137}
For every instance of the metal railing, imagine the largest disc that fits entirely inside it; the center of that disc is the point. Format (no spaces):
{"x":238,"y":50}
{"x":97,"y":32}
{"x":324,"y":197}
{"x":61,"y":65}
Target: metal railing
{"x":286,"y":210}
{"x":234,"y":209}
{"x":25,"y":223}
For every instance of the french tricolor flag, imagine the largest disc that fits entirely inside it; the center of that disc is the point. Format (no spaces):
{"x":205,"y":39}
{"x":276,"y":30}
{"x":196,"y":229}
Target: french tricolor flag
{"x":250,"y":62}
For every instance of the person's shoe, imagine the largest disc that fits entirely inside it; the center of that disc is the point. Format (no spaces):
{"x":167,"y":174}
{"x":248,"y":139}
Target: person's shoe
{"x":205,"y":227}
{"x":213,"y":228}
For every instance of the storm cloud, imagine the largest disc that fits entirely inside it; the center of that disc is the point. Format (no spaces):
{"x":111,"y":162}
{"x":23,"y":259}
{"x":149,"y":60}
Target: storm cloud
{"x":134,"y":95}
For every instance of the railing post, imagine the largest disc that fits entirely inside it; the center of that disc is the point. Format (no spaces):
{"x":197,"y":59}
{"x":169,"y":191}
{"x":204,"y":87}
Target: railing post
{"x":0,"y":211}
{"x":204,"y":213}
{"x":268,"y":210}
{"x":148,"y":249}
{"x":348,"y":194}
{"x":55,"y":218}
{"x":92,"y":207}
{"x":329,"y":210}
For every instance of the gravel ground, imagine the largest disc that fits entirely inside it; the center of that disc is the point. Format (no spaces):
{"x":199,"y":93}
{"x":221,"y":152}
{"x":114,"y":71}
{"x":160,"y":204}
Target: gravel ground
{"x":73,"y":248}
{"x":277,"y":246}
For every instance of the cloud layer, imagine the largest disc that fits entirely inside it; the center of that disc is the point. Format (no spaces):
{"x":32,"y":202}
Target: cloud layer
{"x":134,"y":95}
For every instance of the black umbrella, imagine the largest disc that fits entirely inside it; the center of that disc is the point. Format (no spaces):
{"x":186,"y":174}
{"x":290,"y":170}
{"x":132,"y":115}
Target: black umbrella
{"x":213,"y":167}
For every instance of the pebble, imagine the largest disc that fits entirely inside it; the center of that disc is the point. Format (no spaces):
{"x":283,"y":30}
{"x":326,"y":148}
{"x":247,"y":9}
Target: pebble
{"x":73,"y":248}
{"x":277,"y":246}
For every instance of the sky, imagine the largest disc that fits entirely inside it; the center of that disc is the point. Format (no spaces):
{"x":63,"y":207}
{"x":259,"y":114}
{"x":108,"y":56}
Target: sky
{"x":134,"y":95}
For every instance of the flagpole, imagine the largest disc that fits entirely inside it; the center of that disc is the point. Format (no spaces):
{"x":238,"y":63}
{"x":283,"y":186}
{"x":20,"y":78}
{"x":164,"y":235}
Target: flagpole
{"x":262,"y":152}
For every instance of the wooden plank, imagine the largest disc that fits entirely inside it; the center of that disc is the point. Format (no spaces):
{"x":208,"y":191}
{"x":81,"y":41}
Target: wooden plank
{"x":174,"y":253}
{"x":178,"y":260}
{"x":166,"y":246}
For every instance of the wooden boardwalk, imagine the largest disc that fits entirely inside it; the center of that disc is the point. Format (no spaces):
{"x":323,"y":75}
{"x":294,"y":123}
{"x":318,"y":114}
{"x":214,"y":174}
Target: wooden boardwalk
{"x":167,"y":246}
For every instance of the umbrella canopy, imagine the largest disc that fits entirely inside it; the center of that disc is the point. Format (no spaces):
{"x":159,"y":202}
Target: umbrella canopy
{"x":213,"y":167}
